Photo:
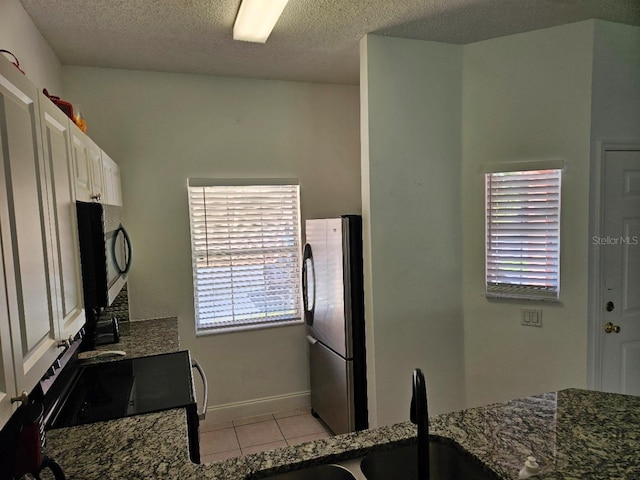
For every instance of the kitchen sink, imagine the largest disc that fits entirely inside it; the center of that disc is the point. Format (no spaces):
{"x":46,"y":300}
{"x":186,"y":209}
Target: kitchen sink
{"x":319,"y":472}
{"x":447,"y":462}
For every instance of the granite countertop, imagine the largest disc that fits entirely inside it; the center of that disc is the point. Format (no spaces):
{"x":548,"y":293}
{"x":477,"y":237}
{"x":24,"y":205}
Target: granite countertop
{"x":574,"y":434}
{"x":140,"y":338}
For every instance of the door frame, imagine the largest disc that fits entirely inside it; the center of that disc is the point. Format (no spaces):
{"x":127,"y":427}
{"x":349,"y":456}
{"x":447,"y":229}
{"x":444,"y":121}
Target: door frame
{"x":596,"y":220}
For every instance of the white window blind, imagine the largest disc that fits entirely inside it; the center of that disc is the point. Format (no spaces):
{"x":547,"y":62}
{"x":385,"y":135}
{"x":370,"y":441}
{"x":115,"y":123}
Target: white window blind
{"x":246,"y":255}
{"x":523,"y":234}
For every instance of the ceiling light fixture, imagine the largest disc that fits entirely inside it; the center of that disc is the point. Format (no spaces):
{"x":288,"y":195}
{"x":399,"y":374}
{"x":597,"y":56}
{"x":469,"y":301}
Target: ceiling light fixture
{"x":256,"y":19}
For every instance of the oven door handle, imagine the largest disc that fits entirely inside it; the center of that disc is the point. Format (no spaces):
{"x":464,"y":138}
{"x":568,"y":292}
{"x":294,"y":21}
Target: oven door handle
{"x":196,"y":365}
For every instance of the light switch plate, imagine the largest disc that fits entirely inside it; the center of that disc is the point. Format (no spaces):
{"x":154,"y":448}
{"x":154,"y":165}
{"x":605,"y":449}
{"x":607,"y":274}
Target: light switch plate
{"x":531,"y":317}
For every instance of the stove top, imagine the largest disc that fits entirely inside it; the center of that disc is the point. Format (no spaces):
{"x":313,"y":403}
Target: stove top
{"x":107,"y":391}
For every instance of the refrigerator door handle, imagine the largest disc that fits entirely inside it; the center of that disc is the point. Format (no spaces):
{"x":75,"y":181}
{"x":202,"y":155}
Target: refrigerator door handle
{"x":308,"y":283}
{"x":312,"y":340}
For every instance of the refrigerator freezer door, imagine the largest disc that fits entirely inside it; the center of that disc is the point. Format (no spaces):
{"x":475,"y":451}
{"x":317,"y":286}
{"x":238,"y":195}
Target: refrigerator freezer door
{"x":329,"y":326}
{"x":332,"y":388}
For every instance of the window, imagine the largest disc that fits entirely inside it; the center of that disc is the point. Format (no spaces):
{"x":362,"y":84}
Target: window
{"x":523,"y":234}
{"x":245,"y":242}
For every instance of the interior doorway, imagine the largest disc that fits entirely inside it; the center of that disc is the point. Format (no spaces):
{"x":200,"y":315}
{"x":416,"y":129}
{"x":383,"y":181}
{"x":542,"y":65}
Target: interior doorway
{"x":615,"y":287}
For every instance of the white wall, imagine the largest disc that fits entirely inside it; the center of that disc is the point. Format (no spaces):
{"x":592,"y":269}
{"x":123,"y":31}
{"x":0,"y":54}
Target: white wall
{"x":20,"y":36}
{"x":165,"y":128}
{"x":615,"y":117}
{"x":616,"y":83}
{"x":411,"y":155}
{"x":527,"y":97}
{"x":548,"y":94}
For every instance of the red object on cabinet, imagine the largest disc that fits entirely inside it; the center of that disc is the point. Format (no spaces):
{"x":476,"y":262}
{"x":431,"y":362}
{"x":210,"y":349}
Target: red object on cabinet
{"x":63,"y":105}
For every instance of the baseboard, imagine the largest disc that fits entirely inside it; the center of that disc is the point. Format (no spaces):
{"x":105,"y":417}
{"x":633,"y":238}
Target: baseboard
{"x":258,"y":406}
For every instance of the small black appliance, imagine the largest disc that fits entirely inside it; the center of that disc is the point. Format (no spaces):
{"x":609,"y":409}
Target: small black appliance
{"x":105,"y":252}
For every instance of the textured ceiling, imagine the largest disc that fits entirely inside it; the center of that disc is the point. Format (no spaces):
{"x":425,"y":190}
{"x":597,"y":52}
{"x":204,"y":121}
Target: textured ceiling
{"x":314,"y":40}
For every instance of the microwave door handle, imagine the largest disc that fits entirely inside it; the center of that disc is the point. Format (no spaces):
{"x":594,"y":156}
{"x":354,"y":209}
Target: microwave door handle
{"x":127,"y":241}
{"x":196,"y":365}
{"x":129,"y":254}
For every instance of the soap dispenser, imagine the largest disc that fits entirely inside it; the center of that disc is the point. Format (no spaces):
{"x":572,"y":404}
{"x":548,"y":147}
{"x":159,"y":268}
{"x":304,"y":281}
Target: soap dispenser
{"x":530,"y":469}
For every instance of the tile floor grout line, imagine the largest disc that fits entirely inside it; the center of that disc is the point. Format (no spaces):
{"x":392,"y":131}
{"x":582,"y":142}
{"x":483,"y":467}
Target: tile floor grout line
{"x":242,"y":449}
{"x":237,"y":439}
{"x":286,"y":440}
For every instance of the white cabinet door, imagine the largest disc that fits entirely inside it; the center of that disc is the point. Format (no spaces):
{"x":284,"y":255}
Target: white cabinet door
{"x":97,"y":172}
{"x":111,"y":175}
{"x":116,"y":185}
{"x":67,"y":279}
{"x":87,"y":166}
{"x":7,"y":378}
{"x":81,"y":163}
{"x":24,"y":232}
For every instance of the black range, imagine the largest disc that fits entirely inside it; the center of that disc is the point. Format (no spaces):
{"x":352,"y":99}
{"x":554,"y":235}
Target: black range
{"x":111,"y":390}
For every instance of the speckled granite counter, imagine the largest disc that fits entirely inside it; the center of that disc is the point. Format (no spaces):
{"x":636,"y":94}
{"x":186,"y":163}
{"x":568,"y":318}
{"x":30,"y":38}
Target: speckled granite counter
{"x":574,"y":434}
{"x":140,"y":338}
{"x":141,"y":447}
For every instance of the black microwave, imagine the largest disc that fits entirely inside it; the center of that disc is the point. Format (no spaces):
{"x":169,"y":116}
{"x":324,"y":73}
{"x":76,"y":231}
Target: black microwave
{"x":105,"y":252}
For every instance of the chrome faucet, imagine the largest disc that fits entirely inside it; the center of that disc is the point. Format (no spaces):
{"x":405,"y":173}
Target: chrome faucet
{"x":420,"y":416}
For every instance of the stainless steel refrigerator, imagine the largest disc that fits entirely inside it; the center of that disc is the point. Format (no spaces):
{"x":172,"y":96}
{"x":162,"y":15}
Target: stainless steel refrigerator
{"x":333,"y":294}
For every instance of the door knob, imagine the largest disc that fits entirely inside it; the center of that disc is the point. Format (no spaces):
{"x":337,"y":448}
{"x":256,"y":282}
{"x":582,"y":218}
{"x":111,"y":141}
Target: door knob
{"x":24,"y":398}
{"x":611,"y":328}
{"x":610,"y":306}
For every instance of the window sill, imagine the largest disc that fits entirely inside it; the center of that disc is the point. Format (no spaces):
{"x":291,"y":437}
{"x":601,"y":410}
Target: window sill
{"x":202,"y":332}
{"x":522,"y":297}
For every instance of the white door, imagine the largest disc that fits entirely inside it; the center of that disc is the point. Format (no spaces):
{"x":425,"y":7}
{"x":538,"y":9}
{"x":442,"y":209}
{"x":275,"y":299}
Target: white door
{"x":620,"y":281}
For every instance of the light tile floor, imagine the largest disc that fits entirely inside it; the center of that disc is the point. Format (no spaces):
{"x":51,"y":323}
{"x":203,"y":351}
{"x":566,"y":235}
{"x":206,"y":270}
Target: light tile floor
{"x":219,"y":441}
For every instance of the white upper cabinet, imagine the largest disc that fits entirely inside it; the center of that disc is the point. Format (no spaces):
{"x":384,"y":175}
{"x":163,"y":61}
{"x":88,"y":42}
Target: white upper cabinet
{"x":67,"y":279}
{"x":111,"y":176}
{"x":81,"y":164}
{"x":97,"y":173}
{"x":97,"y":176}
{"x":86,"y":158}
{"x":25,"y":231}
{"x":46,"y":163}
